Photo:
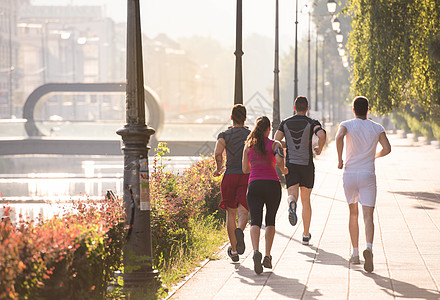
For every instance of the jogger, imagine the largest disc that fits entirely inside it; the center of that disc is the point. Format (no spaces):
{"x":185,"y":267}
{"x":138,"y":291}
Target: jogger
{"x":234,"y":183}
{"x":260,"y":156}
{"x":362,"y":137}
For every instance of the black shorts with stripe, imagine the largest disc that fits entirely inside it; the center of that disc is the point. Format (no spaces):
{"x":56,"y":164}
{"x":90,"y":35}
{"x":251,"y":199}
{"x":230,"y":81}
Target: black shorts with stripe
{"x":304,"y":175}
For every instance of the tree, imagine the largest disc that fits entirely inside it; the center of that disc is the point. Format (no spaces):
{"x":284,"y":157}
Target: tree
{"x":394,"y":48}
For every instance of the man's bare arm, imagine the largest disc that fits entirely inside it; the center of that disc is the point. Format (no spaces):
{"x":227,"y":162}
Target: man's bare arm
{"x":386,"y":146}
{"x":245,"y":165}
{"x":279,"y":135}
{"x":218,"y":154}
{"x":342,"y":131}
{"x":322,"y":136}
{"x":279,"y":159}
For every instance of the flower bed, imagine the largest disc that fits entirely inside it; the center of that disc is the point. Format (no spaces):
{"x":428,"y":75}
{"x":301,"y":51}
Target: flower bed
{"x":72,"y":257}
{"x":177,"y":201}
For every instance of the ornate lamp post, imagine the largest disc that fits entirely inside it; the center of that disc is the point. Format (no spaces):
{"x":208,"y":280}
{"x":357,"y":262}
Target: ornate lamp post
{"x":135,"y":135}
{"x":238,"y":92}
{"x":316,"y":70}
{"x":295,"y":89}
{"x":308,"y":54}
{"x":276,"y":83}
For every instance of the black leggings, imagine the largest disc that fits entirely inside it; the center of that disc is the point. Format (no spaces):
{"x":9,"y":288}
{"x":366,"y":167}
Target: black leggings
{"x":262,"y":192}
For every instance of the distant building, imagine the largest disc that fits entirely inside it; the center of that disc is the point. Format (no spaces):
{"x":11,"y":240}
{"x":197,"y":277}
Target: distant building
{"x":9,"y":73}
{"x":66,"y":44}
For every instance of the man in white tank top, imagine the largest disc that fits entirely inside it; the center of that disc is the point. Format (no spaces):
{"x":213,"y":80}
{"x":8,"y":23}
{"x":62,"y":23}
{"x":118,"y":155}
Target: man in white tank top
{"x":361,"y":136}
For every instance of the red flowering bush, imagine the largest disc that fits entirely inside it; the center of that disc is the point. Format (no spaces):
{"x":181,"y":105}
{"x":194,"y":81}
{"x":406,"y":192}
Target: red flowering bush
{"x":72,"y":257}
{"x":176,"y":200}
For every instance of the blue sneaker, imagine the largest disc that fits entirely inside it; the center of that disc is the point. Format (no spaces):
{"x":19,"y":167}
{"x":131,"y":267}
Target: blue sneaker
{"x":292,"y":213}
{"x":306,"y":239}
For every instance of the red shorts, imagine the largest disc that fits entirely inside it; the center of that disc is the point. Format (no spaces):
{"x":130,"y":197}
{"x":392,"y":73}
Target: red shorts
{"x":234,"y":189}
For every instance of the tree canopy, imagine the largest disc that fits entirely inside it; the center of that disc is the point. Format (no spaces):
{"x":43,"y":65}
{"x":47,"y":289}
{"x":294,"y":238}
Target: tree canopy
{"x":395,"y":54}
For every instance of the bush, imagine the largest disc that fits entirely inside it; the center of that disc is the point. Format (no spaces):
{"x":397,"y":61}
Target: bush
{"x":177,"y":200}
{"x":72,"y":257}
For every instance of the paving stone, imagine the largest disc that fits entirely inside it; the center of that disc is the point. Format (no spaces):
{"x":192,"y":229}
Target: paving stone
{"x":407,"y":236}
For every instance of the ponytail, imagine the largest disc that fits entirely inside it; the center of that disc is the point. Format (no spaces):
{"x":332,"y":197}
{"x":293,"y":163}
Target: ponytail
{"x":256,"y":137}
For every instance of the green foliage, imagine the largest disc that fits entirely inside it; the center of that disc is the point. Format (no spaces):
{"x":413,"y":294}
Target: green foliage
{"x":411,"y":121}
{"x":393,"y":48}
{"x":177,"y":201}
{"x":204,"y":239}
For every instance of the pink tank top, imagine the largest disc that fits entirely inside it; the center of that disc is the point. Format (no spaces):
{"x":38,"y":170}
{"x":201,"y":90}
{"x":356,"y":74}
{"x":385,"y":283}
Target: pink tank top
{"x":263,"y":167}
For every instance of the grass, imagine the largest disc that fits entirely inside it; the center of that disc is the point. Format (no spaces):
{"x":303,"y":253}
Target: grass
{"x":205,"y":238}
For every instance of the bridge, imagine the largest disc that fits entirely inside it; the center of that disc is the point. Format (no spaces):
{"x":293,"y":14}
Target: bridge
{"x":32,"y":136}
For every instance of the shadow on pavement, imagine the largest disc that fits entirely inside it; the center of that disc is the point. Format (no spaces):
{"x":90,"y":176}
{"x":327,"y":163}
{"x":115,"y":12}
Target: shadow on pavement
{"x":424,"y":196}
{"x":324,"y":257}
{"x":278,"y":284}
{"x":401,"y":289}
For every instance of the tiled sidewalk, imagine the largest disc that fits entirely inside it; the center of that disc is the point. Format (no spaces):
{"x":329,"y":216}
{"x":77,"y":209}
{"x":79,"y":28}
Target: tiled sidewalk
{"x":406,"y":244}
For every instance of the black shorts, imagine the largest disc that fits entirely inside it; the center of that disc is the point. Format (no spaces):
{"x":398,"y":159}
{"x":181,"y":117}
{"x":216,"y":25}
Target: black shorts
{"x":260,"y":193}
{"x":304,"y":175}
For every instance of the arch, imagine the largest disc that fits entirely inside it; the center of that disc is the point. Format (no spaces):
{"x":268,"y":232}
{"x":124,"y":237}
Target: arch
{"x":155,"y":111}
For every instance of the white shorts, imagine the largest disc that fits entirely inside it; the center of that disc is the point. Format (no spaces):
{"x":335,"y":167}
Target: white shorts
{"x":360,"y":187}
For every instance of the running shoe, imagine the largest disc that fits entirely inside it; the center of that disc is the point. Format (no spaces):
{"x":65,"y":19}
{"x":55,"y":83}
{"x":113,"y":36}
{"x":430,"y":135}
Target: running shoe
{"x":306,"y":239}
{"x":258,"y":268}
{"x":292,"y":213}
{"x":368,"y":255}
{"x":355,"y":260}
{"x":239,"y":236}
{"x":234,"y":257}
{"x":267,"y":262}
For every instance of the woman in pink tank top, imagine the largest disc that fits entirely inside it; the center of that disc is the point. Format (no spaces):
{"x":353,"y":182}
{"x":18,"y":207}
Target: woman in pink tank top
{"x":260,"y":157}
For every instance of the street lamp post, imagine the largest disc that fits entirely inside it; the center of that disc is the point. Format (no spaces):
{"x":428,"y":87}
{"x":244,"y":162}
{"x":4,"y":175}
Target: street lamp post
{"x":135,"y":135}
{"x":276,"y":87}
{"x":11,"y":66}
{"x":323,"y":76}
{"x":308,"y":56}
{"x":238,"y":92}
{"x":295,"y":81}
{"x":316,"y":71}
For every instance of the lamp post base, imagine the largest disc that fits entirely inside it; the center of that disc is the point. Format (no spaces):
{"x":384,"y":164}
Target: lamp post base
{"x":149,"y":279}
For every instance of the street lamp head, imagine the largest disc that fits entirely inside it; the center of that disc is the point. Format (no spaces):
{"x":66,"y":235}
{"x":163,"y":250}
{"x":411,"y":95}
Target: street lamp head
{"x":336,"y":24}
{"x":331,"y":6}
{"x":81,"y":40}
{"x":341,"y":51}
{"x":65,"y":35}
{"x":339,"y":38}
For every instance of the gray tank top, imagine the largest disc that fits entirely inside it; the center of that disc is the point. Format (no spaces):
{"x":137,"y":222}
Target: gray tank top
{"x":234,"y":138}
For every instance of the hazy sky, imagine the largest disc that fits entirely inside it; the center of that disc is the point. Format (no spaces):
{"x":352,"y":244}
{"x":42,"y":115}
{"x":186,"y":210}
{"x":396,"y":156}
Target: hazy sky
{"x":210,"y":18}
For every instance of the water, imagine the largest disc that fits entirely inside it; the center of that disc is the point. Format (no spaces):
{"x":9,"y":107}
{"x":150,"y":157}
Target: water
{"x":32,"y":193}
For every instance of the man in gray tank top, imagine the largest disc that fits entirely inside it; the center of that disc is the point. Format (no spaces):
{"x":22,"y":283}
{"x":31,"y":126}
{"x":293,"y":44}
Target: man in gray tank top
{"x":235,"y":182}
{"x":298,"y":131}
